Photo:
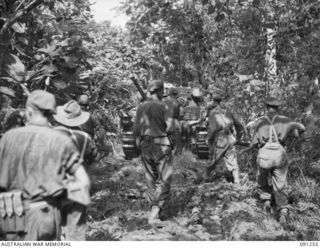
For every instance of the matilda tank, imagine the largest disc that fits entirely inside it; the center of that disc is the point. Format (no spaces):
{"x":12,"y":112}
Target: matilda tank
{"x":199,"y":135}
{"x":202,"y":149}
{"x":195,"y":136}
{"x":128,"y":142}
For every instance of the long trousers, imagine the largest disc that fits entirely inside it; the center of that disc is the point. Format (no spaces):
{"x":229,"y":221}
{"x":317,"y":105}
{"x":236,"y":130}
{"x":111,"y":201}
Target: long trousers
{"x":74,"y":221}
{"x":223,"y":150}
{"x":156,"y":159}
{"x":278,"y":184}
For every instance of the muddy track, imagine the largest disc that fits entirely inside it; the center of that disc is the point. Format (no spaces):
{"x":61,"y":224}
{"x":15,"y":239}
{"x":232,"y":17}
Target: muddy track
{"x":195,"y":211}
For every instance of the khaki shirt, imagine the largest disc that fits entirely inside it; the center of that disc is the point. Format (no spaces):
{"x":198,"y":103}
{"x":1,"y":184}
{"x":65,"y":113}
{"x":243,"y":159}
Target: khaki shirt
{"x":36,"y":159}
{"x":217,"y":124}
{"x":151,"y":119}
{"x":83,"y":142}
{"x":282,"y":124}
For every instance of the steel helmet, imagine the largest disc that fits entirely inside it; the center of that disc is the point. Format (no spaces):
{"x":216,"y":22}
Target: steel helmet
{"x":83,"y":100}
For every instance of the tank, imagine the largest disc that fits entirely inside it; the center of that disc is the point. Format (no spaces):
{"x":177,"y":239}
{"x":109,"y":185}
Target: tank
{"x":195,"y":137}
{"x":197,"y":143}
{"x":202,"y":148}
{"x":128,"y":142}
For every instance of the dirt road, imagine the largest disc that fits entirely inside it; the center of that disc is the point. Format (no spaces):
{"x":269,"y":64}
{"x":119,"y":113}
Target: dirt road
{"x":196,"y":210}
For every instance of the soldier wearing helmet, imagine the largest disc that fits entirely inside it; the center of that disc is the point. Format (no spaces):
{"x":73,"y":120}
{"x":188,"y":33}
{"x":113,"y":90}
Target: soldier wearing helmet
{"x":83,"y":101}
{"x":152,"y":127}
{"x":270,"y":129}
{"x":93,"y":124}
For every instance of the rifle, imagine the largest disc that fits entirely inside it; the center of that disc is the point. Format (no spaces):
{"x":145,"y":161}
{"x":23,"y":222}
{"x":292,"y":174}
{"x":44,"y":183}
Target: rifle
{"x":136,"y":83}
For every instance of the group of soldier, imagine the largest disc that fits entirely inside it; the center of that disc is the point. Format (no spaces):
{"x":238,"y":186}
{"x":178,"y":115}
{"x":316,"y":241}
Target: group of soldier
{"x":44,"y":186}
{"x":162,"y":126}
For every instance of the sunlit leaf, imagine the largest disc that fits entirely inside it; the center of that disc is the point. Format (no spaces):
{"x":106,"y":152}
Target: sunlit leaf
{"x":47,"y":82}
{"x":8,"y":79}
{"x":19,"y":27}
{"x":15,"y":68}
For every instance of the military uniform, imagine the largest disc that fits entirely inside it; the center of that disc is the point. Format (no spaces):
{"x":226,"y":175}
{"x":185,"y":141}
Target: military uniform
{"x":150,"y":131}
{"x":283,"y":127}
{"x":34,"y":160}
{"x":73,"y":213}
{"x":221,"y":140}
{"x":92,"y":124}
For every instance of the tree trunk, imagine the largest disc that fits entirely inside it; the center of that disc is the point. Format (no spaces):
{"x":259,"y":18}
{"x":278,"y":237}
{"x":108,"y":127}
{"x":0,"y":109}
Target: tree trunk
{"x":273,"y":87}
{"x":273,"y":81}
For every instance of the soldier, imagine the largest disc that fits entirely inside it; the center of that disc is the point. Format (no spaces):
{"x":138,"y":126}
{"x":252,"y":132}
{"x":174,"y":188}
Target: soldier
{"x":71,"y":117}
{"x":39,"y":158}
{"x":92,"y":125}
{"x":221,"y":138}
{"x":273,"y":128}
{"x":191,"y":116}
{"x":151,"y":130}
{"x":174,"y":108}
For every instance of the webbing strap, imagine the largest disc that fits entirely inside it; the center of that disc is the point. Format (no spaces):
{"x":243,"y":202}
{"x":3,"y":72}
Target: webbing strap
{"x":84,"y":145}
{"x":272,"y":130}
{"x":85,"y":142}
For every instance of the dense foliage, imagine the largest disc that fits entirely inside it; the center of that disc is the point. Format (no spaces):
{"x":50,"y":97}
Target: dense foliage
{"x":224,"y":43}
{"x":217,"y":44}
{"x":246,"y":49}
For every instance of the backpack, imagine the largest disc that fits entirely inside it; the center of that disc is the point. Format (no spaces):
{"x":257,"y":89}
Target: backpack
{"x":272,"y":154}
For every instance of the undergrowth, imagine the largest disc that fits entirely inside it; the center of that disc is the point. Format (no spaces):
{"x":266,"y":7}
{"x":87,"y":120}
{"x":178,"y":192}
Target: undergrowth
{"x":198,"y":210}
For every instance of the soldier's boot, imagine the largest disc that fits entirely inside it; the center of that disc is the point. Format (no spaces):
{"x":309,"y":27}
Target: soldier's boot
{"x":266,"y":198}
{"x":236,"y":178}
{"x":154,"y":215}
{"x":283,"y":215}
